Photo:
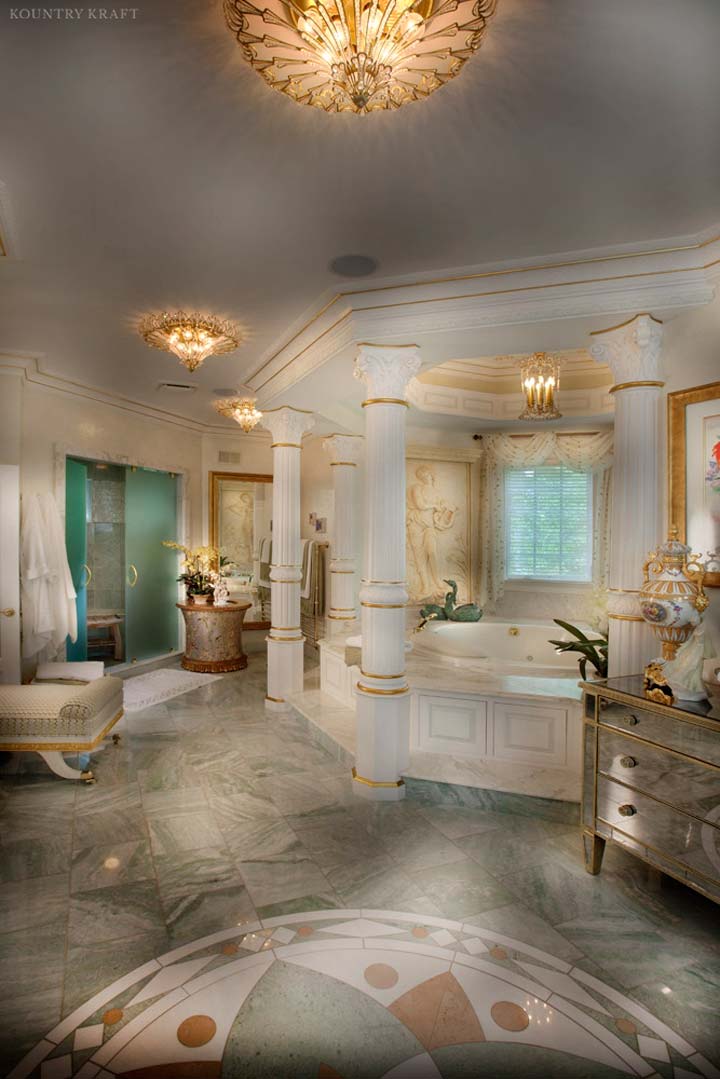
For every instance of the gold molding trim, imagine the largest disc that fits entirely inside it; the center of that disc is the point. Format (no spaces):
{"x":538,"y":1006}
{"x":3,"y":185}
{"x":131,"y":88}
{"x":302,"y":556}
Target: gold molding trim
{"x":640,"y":314}
{"x":65,"y":747}
{"x":275,"y":700}
{"x":632,"y":385}
{"x":290,"y":408}
{"x":626,"y":617}
{"x":352,"y":464}
{"x":382,"y":692}
{"x":385,"y":606}
{"x":375,"y":782}
{"x":284,"y":640}
{"x":340,"y":617}
{"x":214,"y":481}
{"x":293,"y":445}
{"x":295,"y":580}
{"x":341,"y":571}
{"x":369,"y":674}
{"x":386,"y":401}
{"x":626,"y":591}
{"x":677,"y":403}
{"x":288,"y":629}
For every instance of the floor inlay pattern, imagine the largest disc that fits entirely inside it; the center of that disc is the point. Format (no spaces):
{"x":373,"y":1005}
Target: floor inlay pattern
{"x":220,"y":903}
{"x":445,"y":994}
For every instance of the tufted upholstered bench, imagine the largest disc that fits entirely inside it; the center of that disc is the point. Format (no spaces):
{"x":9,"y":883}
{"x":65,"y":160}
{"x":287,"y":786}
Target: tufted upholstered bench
{"x":56,"y":719}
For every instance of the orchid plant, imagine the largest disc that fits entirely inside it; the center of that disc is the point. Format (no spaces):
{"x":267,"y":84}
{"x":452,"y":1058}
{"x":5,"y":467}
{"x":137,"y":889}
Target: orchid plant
{"x":200,"y":567}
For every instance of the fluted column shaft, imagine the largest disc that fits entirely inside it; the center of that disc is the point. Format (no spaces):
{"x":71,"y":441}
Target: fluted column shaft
{"x":382,"y":691}
{"x":344,"y":452}
{"x":633,"y":353}
{"x":285,"y":641}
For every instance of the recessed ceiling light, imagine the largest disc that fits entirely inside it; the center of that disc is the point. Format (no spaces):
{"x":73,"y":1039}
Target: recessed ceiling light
{"x":353,"y":265}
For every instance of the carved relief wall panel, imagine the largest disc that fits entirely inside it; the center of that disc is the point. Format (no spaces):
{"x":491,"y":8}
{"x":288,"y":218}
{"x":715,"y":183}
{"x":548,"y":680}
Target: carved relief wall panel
{"x":438,"y":529}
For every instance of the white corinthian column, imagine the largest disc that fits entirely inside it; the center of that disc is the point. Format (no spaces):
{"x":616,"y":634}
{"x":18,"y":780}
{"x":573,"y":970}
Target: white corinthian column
{"x":632,"y":351}
{"x":344,"y":452}
{"x":285,"y":641}
{"x":383,"y":703}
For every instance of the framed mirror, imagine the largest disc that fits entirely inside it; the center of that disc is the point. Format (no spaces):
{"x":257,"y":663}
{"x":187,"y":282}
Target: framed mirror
{"x":240,"y":524}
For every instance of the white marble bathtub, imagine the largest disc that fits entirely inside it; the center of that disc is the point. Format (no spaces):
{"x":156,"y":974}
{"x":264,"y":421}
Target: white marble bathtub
{"x":508,"y":646}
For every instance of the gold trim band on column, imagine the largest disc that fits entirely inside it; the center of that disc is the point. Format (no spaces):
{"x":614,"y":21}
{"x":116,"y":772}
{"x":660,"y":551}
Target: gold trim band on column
{"x":386,"y":401}
{"x":382,"y":692}
{"x":287,"y":629}
{"x":284,"y":640}
{"x":341,"y":608}
{"x":341,"y":617}
{"x":627,"y":617}
{"x":353,"y":464}
{"x":292,"y":580}
{"x":369,"y":674}
{"x":295,"y":445}
{"x":275,"y":700}
{"x":375,"y":782}
{"x":350,"y":571}
{"x":385,"y":606}
{"x":631,"y":385}
{"x":626,"y":591}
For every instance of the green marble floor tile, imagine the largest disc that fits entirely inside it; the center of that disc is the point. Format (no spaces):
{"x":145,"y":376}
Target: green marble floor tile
{"x":199,"y":913}
{"x":92,"y":966}
{"x":461,"y":888}
{"x":114,"y":913}
{"x":559,"y":894}
{"x":521,"y":923}
{"x":273,"y":879}
{"x":691,"y":1006}
{"x":110,"y":865}
{"x":34,"y":901}
{"x":104,"y":813}
{"x":187,"y":872}
{"x":327,"y":901}
{"x":21,"y":859}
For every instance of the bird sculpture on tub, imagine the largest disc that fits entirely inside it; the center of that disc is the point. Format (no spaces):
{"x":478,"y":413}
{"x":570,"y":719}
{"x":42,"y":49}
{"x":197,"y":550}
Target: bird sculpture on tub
{"x":449,"y":612}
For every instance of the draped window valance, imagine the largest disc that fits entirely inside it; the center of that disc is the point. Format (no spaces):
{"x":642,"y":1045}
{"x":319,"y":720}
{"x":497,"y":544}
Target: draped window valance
{"x":583,"y":453}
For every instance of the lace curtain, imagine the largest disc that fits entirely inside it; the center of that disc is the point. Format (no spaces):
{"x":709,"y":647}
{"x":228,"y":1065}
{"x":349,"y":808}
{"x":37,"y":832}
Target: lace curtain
{"x":584,"y":453}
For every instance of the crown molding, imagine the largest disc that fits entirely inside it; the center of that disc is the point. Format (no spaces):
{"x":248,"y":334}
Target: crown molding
{"x":27,"y":366}
{"x":8,"y":233}
{"x":672,"y":274}
{"x":474,"y":404}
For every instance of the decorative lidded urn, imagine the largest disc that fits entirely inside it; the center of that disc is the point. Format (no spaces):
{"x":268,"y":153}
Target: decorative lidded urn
{"x":672,"y":597}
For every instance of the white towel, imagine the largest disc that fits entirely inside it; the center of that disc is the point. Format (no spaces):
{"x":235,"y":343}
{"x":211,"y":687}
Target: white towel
{"x":37,"y":619}
{"x":62,"y":590}
{"x":306,"y":559}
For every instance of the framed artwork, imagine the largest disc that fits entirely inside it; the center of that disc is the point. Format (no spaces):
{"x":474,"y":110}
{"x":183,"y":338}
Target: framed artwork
{"x":438,"y":525}
{"x":694,"y":472}
{"x":240,"y":506}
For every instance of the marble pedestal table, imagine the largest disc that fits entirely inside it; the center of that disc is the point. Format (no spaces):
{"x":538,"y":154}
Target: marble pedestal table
{"x":213,"y":637}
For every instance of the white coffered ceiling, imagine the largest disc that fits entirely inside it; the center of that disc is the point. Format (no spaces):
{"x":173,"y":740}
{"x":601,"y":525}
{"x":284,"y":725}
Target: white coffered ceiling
{"x":146,"y":165}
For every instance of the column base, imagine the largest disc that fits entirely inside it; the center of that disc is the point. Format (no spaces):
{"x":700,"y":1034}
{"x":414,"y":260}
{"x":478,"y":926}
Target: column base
{"x":285,"y":672}
{"x":279,"y":707}
{"x":378,"y":792}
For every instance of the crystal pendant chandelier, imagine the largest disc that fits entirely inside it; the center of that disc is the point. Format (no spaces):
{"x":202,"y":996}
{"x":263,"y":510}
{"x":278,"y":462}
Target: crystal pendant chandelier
{"x":540,"y":379}
{"x":240,"y":409}
{"x":192,"y":338}
{"x":358,"y":55}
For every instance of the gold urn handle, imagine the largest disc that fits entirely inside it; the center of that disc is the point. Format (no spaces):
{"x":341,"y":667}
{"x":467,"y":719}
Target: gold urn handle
{"x":132,"y":570}
{"x":8,"y":612}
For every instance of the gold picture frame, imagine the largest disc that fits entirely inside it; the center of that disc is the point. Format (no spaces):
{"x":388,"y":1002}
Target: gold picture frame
{"x":215,"y":479}
{"x":679,"y":498}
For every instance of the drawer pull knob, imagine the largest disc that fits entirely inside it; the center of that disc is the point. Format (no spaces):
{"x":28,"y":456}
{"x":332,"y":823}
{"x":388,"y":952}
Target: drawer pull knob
{"x":627,"y":811}
{"x":632,"y":721}
{"x":628,"y":762}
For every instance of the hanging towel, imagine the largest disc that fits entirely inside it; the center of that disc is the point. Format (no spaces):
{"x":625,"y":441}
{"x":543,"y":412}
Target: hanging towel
{"x":62,"y":590}
{"x":307,"y":562}
{"x":37,"y":624}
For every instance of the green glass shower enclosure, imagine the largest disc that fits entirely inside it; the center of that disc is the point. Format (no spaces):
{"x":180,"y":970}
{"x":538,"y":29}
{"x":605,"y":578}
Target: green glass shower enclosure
{"x":150,"y":617}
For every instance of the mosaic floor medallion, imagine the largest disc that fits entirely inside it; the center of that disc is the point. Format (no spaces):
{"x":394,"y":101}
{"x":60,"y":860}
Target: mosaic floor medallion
{"x":340,"y":994}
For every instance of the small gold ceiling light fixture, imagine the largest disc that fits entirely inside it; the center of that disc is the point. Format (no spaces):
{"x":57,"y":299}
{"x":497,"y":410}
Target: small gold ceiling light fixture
{"x":540,"y":380}
{"x":358,"y":55}
{"x":192,"y":338}
{"x":240,"y":409}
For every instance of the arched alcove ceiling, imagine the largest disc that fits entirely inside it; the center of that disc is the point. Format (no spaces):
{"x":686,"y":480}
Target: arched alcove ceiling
{"x":149,"y":166}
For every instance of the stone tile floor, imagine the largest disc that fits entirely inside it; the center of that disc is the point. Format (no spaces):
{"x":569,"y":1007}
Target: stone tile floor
{"x":209,"y":815}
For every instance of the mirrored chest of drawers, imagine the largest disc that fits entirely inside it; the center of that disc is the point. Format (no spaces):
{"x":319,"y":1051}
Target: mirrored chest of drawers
{"x":651,"y":781}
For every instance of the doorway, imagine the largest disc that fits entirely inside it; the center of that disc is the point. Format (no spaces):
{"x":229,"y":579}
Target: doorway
{"x":116,"y":517}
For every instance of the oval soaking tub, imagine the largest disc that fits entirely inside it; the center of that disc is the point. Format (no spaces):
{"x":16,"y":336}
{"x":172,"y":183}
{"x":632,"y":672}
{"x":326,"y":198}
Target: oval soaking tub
{"x":504,"y":643}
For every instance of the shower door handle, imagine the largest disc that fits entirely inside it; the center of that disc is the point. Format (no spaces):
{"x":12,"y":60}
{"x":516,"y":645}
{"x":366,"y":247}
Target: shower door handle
{"x":88,"y":579}
{"x":132,"y":569}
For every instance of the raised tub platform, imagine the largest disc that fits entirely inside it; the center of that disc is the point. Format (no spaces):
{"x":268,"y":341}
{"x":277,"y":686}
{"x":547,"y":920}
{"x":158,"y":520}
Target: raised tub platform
{"x":470,"y":726}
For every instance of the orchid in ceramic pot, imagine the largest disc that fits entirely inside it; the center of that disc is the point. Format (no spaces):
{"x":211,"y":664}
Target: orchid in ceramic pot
{"x":198,"y":566}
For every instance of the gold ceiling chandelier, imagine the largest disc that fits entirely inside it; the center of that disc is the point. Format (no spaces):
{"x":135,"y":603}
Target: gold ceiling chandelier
{"x":240,"y":409}
{"x":192,"y":338}
{"x":540,"y":379}
{"x":358,"y":55}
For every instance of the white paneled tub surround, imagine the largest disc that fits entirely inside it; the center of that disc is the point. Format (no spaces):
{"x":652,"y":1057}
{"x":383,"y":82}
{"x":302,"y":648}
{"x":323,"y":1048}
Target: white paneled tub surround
{"x":481,"y":719}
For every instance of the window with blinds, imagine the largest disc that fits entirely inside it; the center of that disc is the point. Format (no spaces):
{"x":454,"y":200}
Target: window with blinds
{"x":548,"y":524}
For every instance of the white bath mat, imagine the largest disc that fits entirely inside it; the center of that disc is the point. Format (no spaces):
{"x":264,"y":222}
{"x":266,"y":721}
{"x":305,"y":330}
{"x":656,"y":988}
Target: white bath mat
{"x":144,"y":690}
